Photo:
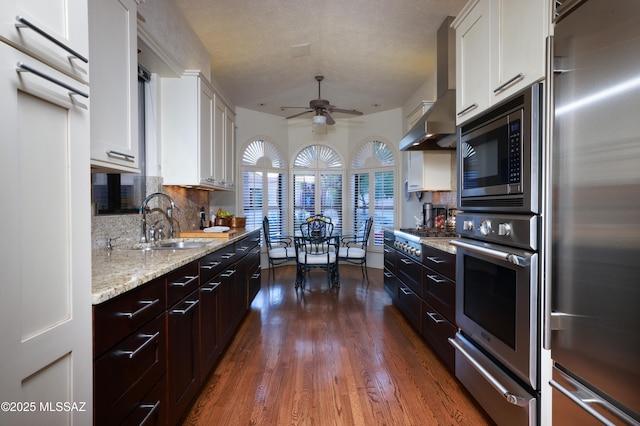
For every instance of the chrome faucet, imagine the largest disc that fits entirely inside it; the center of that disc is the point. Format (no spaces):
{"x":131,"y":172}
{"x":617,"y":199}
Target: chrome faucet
{"x":144,"y":208}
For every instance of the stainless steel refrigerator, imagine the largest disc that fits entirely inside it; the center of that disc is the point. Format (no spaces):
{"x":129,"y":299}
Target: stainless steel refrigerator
{"x":595,"y":246}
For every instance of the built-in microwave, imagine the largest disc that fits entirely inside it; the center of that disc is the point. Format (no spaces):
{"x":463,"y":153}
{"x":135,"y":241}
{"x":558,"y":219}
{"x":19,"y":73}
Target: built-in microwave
{"x":498,"y":155}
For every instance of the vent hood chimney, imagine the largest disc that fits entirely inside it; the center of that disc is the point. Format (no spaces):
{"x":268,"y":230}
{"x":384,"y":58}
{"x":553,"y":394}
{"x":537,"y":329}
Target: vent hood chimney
{"x":436,"y":129}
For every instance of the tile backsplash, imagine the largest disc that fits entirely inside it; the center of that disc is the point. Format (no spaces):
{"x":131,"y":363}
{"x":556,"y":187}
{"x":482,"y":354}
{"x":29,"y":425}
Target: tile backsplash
{"x":125,"y":229}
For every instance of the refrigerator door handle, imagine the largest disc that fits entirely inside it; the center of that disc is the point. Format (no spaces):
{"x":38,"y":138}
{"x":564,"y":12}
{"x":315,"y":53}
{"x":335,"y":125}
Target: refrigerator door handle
{"x":587,"y":400}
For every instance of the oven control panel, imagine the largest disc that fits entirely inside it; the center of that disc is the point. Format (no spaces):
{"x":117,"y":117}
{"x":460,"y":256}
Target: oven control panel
{"x":511,"y":230}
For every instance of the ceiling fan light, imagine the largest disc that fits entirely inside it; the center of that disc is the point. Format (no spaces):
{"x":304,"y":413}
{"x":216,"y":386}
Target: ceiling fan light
{"x":319,"y":120}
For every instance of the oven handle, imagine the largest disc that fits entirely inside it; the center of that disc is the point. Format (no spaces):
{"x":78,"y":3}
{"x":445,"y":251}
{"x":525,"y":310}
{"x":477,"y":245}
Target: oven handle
{"x":511,"y":398}
{"x":496,"y":254}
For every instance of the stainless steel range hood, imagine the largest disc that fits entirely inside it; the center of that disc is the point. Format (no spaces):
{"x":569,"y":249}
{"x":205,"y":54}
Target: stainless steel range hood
{"x":436,"y":129}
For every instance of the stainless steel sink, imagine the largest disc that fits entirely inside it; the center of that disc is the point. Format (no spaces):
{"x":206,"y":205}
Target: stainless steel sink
{"x":171,"y":245}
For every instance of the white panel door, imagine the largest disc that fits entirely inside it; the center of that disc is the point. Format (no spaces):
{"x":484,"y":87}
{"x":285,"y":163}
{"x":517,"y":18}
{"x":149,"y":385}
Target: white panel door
{"x":45,"y":254}
{"x":64,"y":22}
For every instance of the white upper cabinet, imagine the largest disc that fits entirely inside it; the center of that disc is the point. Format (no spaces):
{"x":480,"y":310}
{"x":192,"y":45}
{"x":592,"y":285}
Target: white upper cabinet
{"x":53,"y":31}
{"x":519,"y":35}
{"x":473,"y":53}
{"x":114,"y":85}
{"x":195,"y":135}
{"x":430,"y":171}
{"x":500,"y":50}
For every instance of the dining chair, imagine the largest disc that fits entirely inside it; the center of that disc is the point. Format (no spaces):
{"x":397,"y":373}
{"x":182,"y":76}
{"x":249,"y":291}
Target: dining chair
{"x":353,"y":248}
{"x":316,"y":248}
{"x":279,"y":249}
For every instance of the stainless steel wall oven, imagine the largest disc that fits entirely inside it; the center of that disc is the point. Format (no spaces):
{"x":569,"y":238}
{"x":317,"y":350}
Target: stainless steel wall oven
{"x":497,"y":258}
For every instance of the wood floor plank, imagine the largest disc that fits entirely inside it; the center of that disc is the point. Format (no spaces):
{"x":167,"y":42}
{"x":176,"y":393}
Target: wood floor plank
{"x":342,"y":356}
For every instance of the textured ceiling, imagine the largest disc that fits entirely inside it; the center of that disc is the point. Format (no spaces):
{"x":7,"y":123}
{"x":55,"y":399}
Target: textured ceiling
{"x":374,"y":54}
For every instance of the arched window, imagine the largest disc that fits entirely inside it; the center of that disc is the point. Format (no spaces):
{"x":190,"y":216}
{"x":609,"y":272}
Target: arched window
{"x":372,"y":188}
{"x":318,"y":184}
{"x":264,"y":185}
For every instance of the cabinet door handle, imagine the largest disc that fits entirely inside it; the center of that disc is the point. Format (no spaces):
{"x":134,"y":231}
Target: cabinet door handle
{"x":211,"y":287}
{"x":190,"y":279}
{"x":255,"y":276}
{"x":467,"y":109}
{"x":126,"y":157}
{"x":433,"y":317}
{"x":23,"y":23}
{"x":436,"y":278}
{"x":435,"y":259}
{"x":20,"y":67}
{"x":507,"y":83}
{"x":153,"y":409}
{"x":228,"y":273}
{"x":388,"y":274}
{"x":150,"y":338}
{"x":191,"y":304}
{"x":147,"y":304}
{"x":210,"y":265}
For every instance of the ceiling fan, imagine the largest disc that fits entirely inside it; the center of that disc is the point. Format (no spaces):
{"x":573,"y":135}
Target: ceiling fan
{"x":322,"y":108}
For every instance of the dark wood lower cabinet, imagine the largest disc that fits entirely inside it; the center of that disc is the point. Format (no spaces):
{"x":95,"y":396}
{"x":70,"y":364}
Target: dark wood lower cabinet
{"x":154,"y":345}
{"x":210,"y":347}
{"x":183,"y":355}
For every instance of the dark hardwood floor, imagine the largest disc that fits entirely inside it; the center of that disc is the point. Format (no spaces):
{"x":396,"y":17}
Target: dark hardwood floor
{"x":342,"y":356}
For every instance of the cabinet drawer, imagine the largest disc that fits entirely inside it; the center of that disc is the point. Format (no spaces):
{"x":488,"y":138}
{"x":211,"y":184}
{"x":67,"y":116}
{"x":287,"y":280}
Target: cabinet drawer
{"x":391,"y":284}
{"x":245,"y":245}
{"x":152,"y":409}
{"x":181,"y":282}
{"x":410,"y":272}
{"x":127,"y":372}
{"x":441,"y":293}
{"x":116,"y":319}
{"x":436,"y":330}
{"x":390,"y":258}
{"x":212,"y":264}
{"x":440,"y":261}
{"x":409,"y":304}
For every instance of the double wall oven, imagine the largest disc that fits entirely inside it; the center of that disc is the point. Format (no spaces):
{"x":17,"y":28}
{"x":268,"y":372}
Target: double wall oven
{"x":497,"y":258}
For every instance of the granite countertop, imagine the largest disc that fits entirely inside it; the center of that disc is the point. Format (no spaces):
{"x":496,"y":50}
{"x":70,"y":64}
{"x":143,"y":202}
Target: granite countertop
{"x":443,"y":244}
{"x":122,"y":269}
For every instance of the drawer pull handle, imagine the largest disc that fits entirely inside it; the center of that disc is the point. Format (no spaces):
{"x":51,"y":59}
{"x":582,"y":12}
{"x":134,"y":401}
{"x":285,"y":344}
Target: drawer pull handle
{"x":435,"y":259}
{"x":243,"y":248}
{"x":406,"y":292}
{"x":436,"y":278}
{"x":190,"y":279}
{"x":191,"y":304}
{"x":406,"y":261}
{"x":153,"y":409}
{"x":228,"y":273}
{"x":147,"y":304}
{"x":126,"y":157}
{"x":210,"y":265}
{"x":228,"y":255}
{"x":388,"y":274}
{"x":467,"y":109}
{"x":500,"y":88}
{"x":20,"y":67}
{"x":255,"y":276}
{"x":22,"y":23}
{"x":150,"y":338}
{"x":210,"y":287}
{"x":433,"y":317}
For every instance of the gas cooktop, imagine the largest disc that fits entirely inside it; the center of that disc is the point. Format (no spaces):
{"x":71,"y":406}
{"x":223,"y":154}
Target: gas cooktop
{"x":430,"y":232}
